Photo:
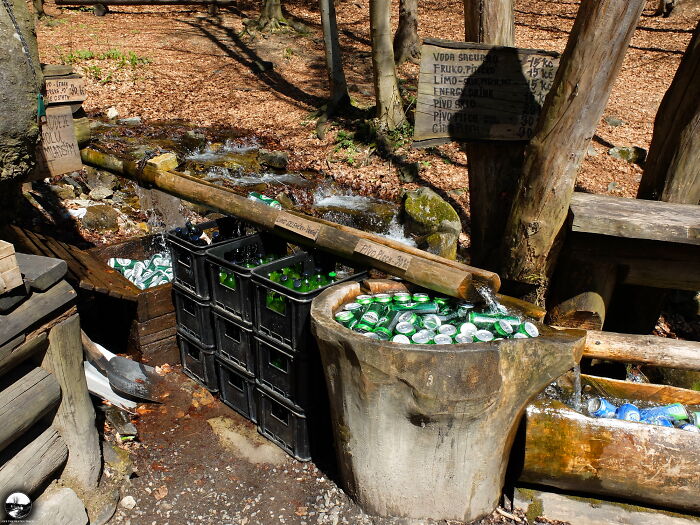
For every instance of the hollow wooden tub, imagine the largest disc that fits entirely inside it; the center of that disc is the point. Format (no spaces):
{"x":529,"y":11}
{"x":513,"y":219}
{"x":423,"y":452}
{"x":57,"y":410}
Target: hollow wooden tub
{"x":650,"y":464}
{"x":424,"y":431}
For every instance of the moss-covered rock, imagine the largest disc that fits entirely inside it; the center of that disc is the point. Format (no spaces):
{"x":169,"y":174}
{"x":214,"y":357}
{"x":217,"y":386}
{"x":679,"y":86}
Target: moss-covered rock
{"x":433,"y":220}
{"x":442,"y":244}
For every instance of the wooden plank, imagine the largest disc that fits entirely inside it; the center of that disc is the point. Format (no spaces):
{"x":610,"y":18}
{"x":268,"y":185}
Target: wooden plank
{"x":6,"y":249}
{"x":29,"y":469}
{"x":155,"y":302}
{"x":166,"y":333}
{"x":140,"y":329}
{"x":25,"y":401}
{"x":160,"y":352}
{"x":56,"y":70}
{"x":469,"y":91}
{"x":41,"y":272}
{"x":618,"y":389}
{"x":63,"y":252}
{"x":11,"y":357}
{"x":59,"y":150}
{"x":75,"y":418}
{"x":36,"y":309}
{"x":635,"y":218}
{"x":65,"y":90}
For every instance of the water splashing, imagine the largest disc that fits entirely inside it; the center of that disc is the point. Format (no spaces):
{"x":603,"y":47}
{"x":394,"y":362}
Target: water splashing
{"x":489,"y":297}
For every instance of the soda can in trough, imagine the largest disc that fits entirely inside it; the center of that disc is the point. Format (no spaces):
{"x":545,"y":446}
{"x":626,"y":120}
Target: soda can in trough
{"x":601,"y":407}
{"x":628,"y":412}
{"x":675,"y":411}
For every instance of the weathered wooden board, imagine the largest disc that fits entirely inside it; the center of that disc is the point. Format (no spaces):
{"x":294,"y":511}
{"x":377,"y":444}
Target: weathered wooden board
{"x":64,"y":90}
{"x":12,"y":356}
{"x":41,"y":272}
{"x":59,"y":147}
{"x":635,"y":218}
{"x":469,"y":91}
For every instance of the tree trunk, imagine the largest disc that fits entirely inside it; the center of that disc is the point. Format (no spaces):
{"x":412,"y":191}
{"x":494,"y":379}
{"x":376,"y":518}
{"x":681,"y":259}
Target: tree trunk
{"x":386,"y":86}
{"x":271,"y":16}
{"x":495,"y":167}
{"x":406,"y":45}
{"x":334,"y":59}
{"x":588,"y":67}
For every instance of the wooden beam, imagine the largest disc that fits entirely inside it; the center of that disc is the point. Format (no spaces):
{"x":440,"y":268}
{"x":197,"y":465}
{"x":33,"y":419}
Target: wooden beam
{"x":635,"y":218}
{"x":587,"y":71}
{"x":25,"y":401}
{"x":75,"y":418}
{"x":11,"y":357}
{"x":644,"y":349}
{"x":307,"y":231}
{"x":620,"y":389}
{"x":30,"y":469}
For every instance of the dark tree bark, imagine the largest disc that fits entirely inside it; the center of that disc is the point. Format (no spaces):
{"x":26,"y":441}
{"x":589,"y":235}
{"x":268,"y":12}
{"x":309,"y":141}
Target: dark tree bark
{"x":406,"y":44}
{"x":271,"y":17}
{"x":339,"y":97}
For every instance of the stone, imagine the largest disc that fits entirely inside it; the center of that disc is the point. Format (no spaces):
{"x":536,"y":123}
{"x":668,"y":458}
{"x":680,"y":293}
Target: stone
{"x":59,"y":507}
{"x":614,"y":121}
{"x":285,"y":200}
{"x":409,"y":171}
{"x":273,"y":159}
{"x":100,"y":179}
{"x":100,"y":193}
{"x":631,"y":154}
{"x":101,"y":217}
{"x":18,"y":126}
{"x":112,"y":113}
{"x":443,"y":244}
{"x":130,"y":121}
{"x":63,"y":191}
{"x":591,"y":511}
{"x":427,"y":214}
{"x":591,"y":151}
{"x":128,"y":502}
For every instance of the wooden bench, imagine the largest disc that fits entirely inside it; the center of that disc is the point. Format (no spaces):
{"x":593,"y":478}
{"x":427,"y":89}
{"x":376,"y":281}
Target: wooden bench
{"x":615,"y":241}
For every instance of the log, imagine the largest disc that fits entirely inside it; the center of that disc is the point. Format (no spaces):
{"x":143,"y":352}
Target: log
{"x":75,"y":418}
{"x":653,"y":393}
{"x":82,"y":129}
{"x":25,"y":401}
{"x":423,"y":271}
{"x":592,"y":58}
{"x":11,"y":357}
{"x":34,"y":464}
{"x":621,"y":459}
{"x":643,"y":349}
{"x":219,"y":3}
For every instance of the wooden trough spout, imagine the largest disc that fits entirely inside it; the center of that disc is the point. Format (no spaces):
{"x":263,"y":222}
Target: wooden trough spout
{"x":424,"y":431}
{"x":419,"y":267}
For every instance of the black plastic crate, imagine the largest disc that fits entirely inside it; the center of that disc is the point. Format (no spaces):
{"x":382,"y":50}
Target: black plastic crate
{"x":283,"y":424}
{"x":198,"y":362}
{"x":234,"y":340}
{"x":193,"y":317}
{"x":289,"y":323}
{"x":237,"y":389}
{"x":286,"y":373}
{"x":236,"y":298}
{"x":189,"y":268}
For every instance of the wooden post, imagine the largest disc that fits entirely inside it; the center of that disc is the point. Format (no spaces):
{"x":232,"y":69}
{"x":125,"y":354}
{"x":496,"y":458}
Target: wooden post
{"x":494,"y":167}
{"x":572,"y":110}
{"x":75,"y":419}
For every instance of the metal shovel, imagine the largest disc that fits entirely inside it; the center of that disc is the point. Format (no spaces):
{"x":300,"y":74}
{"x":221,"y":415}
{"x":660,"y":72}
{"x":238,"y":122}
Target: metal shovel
{"x":126,"y":376}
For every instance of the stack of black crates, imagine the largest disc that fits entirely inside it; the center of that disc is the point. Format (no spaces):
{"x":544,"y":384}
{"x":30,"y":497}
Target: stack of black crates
{"x":262,"y":361}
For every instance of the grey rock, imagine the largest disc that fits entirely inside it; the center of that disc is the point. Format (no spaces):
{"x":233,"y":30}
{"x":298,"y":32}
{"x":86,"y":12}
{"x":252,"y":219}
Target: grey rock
{"x":104,"y":513}
{"x":614,"y":121}
{"x":128,"y":502}
{"x":631,"y":154}
{"x":63,"y":191}
{"x":112,"y":113}
{"x":41,"y":273}
{"x":100,"y":193}
{"x":73,"y":180}
{"x":285,"y":200}
{"x":101,"y":179}
{"x":59,"y":507}
{"x":408,"y":172}
{"x":273,"y":159}
{"x":130,"y":121}
{"x":591,"y":152}
{"x":101,"y":217}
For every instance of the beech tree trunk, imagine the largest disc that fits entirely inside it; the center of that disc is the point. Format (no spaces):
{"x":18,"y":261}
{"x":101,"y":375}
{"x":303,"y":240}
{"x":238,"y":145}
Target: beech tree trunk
{"x":334,"y":59}
{"x":406,"y":44}
{"x":572,"y":110}
{"x":494,"y":167}
{"x":386,"y":87}
{"x":271,"y":16}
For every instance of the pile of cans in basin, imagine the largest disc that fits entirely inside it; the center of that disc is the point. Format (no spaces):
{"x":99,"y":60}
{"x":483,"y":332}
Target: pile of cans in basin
{"x":154,"y":271}
{"x":674,"y":415}
{"x":417,"y":318}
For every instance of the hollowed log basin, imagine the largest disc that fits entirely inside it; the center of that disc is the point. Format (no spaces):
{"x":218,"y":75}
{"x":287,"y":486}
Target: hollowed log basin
{"x":424,"y":431}
{"x":617,"y":459}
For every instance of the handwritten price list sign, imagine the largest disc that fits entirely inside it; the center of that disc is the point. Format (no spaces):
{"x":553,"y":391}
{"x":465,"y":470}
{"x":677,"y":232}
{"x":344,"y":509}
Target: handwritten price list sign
{"x":299,"y":225}
{"x":65,"y":90}
{"x":58,"y":144}
{"x":382,"y":253}
{"x":480,"y":92}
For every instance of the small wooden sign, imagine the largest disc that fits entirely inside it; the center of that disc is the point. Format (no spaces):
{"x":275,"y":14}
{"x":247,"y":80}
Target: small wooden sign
{"x":62,"y":90}
{"x":383,"y":253}
{"x":472,"y":91}
{"x":59,"y":147}
{"x":299,"y":225}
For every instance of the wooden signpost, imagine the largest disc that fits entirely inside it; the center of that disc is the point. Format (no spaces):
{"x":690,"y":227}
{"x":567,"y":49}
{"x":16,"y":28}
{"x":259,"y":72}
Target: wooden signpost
{"x":59,"y":147}
{"x":469,"y":91}
{"x":65,"y":90}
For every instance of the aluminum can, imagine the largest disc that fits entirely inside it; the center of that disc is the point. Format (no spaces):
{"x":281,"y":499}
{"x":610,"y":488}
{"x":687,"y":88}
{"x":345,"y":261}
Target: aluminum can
{"x":353,"y":308}
{"x":448,"y":329}
{"x":431,"y":321}
{"x":529,"y":329}
{"x":373,"y":314}
{"x":382,"y":298}
{"x":518,"y":335}
{"x":442,"y":339}
{"x":344,"y":317}
{"x":383,"y":333}
{"x":400,"y":338}
{"x":660,"y":421}
{"x":628,"y":412}
{"x":371,"y":335}
{"x":601,"y":407}
{"x":409,"y":317}
{"x":674,"y":411}
{"x":463,"y":338}
{"x":364,"y":299}
{"x":695,"y":419}
{"x":482,"y":336}
{"x":420,"y":297}
{"x":422,"y":337}
{"x":485,"y":319}
{"x":406,"y":329}
{"x":689,"y":427}
{"x":468,"y":328}
{"x":402,"y":297}
{"x":502,"y":328}
{"x":419,"y":308}
{"x":441,"y":301}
